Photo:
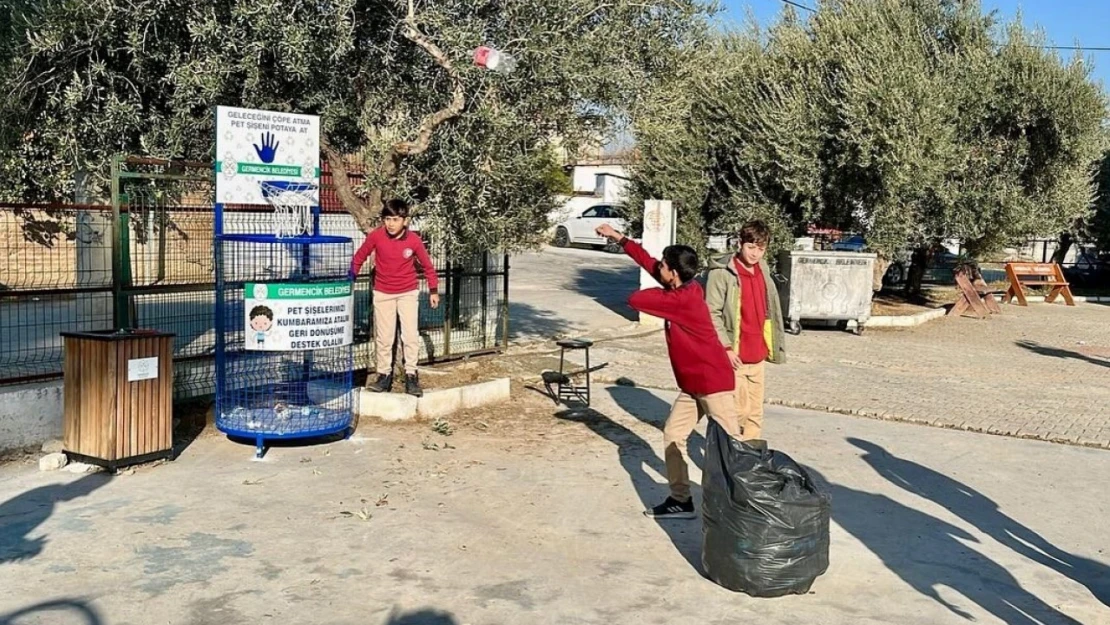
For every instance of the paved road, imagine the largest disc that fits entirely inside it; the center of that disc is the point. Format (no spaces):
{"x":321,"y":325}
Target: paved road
{"x":559,"y":292}
{"x":1039,"y":372}
{"x":536,"y":519}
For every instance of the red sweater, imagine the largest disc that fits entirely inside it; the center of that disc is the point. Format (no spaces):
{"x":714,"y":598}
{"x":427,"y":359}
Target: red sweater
{"x":394,"y":261}
{"x":753,"y":314}
{"x":699,"y":361}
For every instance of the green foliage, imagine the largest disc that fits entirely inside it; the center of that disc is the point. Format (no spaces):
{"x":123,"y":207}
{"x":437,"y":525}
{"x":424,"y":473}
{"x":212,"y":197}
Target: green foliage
{"x":906,"y":120}
{"x":89,"y":79}
{"x":1098,"y":225}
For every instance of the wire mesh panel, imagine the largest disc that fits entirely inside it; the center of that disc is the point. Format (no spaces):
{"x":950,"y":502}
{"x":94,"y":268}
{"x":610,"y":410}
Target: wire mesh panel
{"x":55,"y":276}
{"x":284,"y":354}
{"x":148,"y":260}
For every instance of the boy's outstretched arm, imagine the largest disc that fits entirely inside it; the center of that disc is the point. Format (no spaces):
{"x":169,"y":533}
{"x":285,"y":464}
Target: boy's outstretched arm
{"x":633,"y":249}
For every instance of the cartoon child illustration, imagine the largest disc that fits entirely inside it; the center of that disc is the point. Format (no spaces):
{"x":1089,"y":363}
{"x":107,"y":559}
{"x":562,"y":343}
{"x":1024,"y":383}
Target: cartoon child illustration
{"x":262,"y":319}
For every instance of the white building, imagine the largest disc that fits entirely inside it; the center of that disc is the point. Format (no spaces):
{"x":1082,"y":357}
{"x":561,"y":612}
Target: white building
{"x":602,"y":180}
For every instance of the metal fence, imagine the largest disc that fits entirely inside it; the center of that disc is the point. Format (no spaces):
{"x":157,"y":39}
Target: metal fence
{"x":147,"y":261}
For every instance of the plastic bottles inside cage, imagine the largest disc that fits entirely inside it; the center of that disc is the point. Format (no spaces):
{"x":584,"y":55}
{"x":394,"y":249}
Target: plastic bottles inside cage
{"x":285,"y":350}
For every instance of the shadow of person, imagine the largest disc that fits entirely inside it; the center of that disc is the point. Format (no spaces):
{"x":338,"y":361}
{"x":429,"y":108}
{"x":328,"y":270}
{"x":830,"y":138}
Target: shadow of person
{"x":1055,"y":352}
{"x":21,"y":514}
{"x":928,"y":554}
{"x":645,"y":406}
{"x":87,"y":614}
{"x":983,"y":513}
{"x":636,"y":457}
{"x":421,"y":617}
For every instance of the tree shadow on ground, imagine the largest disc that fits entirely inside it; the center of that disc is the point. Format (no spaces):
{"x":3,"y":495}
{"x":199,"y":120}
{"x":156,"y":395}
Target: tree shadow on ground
{"x":421,"y":617}
{"x":647,"y":407}
{"x":609,"y":287}
{"x":86,"y":614}
{"x":526,"y":320}
{"x":983,"y":513}
{"x":928,"y":554}
{"x":1055,"y":352}
{"x":20,"y":515}
{"x":636,"y":457}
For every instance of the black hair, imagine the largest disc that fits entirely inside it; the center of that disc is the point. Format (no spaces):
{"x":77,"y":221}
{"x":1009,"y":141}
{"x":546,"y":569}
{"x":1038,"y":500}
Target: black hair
{"x":395,"y":208}
{"x":262,"y":311}
{"x":683,"y":260}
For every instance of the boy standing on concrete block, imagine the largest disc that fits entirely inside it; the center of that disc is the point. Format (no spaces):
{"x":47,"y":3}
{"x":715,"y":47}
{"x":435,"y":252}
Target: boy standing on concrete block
{"x":701,"y":366}
{"x":396,"y":292}
{"x":747,"y":316}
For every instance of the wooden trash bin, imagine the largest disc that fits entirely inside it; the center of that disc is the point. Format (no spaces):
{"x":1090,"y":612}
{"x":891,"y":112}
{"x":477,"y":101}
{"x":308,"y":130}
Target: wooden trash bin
{"x":118,"y":402}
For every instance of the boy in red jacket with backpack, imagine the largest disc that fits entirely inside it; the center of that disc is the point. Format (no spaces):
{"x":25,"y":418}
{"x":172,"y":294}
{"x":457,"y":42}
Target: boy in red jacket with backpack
{"x":396,"y":293}
{"x":701,"y":365}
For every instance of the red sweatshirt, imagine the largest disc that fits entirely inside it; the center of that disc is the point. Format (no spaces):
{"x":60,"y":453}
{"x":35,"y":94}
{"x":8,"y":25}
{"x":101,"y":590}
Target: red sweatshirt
{"x":753,"y":313}
{"x":699,"y":361}
{"x":394,"y":266}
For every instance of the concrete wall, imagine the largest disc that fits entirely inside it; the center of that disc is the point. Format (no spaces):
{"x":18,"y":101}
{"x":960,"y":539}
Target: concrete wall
{"x":30,"y":414}
{"x":584,"y":177}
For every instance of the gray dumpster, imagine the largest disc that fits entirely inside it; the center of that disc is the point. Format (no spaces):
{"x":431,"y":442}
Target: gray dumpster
{"x":826,"y":286}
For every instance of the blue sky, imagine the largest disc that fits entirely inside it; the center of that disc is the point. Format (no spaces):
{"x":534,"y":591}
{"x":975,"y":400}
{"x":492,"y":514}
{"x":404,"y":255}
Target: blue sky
{"x":1065,"y":22}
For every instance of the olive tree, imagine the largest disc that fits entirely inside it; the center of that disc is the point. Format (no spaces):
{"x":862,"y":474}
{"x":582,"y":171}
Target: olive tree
{"x":393,"y":81}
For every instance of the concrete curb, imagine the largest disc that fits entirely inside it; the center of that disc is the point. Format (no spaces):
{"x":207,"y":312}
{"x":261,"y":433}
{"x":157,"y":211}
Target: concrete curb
{"x":1079,"y":299}
{"x":434,"y":403}
{"x":939,"y":423}
{"x":904,"y":321}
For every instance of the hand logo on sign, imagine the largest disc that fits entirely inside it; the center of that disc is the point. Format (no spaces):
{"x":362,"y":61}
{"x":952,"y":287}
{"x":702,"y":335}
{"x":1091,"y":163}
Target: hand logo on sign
{"x":269,"y":148}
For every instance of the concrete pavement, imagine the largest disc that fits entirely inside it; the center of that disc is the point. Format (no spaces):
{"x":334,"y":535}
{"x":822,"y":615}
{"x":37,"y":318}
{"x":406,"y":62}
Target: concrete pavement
{"x":533,"y":516}
{"x":557,"y":292}
{"x":1038,"y":372}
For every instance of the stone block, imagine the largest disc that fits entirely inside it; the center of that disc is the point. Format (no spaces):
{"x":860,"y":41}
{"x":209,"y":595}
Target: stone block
{"x":440,"y":402}
{"x":486,"y":393}
{"x":386,"y":406}
{"x":52,"y":462}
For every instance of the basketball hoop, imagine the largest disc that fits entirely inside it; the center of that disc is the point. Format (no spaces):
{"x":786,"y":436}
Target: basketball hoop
{"x":292,"y":202}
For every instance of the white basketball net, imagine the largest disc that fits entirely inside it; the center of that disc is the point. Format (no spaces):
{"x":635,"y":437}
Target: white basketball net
{"x":292,"y":207}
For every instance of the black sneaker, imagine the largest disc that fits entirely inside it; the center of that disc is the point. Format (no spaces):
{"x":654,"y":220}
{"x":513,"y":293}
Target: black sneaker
{"x":412,"y":385}
{"x":673,"y":509}
{"x":383,"y":384}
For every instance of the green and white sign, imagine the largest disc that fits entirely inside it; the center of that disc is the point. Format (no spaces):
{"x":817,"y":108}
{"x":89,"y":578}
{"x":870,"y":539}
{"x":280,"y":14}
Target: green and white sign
{"x":298,"y":316}
{"x":254,"y":146}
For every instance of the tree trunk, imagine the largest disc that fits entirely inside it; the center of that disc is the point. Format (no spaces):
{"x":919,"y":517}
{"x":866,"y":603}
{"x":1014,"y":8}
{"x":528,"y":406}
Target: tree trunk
{"x":1063,"y":246}
{"x":366,"y":210}
{"x":919,"y":263}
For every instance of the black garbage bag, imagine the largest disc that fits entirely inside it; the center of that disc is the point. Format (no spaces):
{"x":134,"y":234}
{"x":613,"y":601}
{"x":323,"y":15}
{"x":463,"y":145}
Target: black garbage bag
{"x":766,"y":523}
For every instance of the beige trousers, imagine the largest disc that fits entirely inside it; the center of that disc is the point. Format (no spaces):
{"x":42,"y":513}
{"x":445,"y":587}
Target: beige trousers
{"x":749,"y":400}
{"x":387,"y":308}
{"x":685,"y":414}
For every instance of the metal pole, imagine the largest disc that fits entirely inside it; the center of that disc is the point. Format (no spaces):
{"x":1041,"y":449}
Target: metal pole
{"x":119,"y":311}
{"x":219,"y":324}
{"x":485,"y":299}
{"x":448,"y":313}
{"x":505,"y":306}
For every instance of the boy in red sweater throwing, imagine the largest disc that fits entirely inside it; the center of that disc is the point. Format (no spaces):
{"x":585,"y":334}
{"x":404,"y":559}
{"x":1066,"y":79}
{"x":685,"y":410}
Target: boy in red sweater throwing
{"x":701,"y":366}
{"x":396,"y":292}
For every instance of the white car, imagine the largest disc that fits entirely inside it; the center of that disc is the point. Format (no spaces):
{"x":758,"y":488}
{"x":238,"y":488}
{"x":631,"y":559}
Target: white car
{"x":580,"y":229}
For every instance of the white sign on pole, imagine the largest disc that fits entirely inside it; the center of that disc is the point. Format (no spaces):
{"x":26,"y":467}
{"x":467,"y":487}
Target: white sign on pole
{"x":298,"y":316}
{"x":660,"y":230}
{"x":253,"y":146}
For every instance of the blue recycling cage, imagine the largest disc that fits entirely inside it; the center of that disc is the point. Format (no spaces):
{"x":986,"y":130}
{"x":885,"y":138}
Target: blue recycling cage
{"x":278,"y":395}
